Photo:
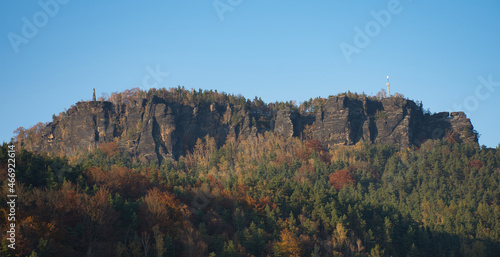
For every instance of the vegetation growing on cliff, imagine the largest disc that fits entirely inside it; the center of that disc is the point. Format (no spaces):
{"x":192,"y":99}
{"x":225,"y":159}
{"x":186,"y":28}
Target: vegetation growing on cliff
{"x":165,"y":123}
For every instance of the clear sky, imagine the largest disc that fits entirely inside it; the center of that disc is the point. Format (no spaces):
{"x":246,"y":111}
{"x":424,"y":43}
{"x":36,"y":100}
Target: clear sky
{"x":443,"y":53}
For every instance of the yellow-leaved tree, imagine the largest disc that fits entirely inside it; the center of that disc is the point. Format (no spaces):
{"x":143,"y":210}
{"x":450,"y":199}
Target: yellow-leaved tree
{"x":289,"y":244}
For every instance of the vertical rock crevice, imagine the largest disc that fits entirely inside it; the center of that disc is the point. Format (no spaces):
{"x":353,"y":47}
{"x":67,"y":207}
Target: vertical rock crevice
{"x":155,"y":129}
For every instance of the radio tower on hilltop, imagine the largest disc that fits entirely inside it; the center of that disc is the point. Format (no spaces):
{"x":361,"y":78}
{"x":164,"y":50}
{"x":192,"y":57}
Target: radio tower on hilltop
{"x":388,"y":87}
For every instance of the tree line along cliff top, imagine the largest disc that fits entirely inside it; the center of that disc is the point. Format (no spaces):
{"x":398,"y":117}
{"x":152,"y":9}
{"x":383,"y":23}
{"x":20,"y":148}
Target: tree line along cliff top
{"x":159,"y":124}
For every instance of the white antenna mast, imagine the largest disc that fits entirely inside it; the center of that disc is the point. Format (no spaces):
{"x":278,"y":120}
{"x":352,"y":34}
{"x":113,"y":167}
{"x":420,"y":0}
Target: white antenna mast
{"x":388,"y":87}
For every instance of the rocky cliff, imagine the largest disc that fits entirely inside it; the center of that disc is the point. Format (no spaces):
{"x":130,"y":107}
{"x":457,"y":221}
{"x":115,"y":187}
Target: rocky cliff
{"x":152,"y":128}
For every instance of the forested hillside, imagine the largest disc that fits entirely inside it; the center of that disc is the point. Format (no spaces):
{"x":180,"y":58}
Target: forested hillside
{"x":265,"y":194}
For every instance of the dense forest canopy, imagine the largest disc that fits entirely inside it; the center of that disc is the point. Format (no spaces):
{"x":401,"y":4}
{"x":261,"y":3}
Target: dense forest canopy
{"x":263,"y":195}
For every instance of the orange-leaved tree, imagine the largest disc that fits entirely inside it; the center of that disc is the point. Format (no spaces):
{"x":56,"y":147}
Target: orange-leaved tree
{"x":162,"y":209}
{"x":340,"y":178}
{"x":124,"y":181}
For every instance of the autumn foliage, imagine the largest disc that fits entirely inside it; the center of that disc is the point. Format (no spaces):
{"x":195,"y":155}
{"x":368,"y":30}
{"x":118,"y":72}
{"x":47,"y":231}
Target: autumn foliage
{"x":162,"y":209}
{"x":313,"y":145}
{"x":120,"y":180}
{"x":289,"y":244}
{"x":477,"y":164}
{"x":341,"y":178}
{"x":262,"y":195}
{"x":110,"y":149}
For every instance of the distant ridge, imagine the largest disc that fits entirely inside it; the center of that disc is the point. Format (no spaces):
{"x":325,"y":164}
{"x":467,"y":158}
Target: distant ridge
{"x":160,"y":124}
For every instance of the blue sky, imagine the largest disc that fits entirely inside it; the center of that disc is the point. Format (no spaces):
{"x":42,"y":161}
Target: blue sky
{"x":443,"y":53}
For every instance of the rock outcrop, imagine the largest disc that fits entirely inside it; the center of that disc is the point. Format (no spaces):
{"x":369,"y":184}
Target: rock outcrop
{"x":154,"y":129}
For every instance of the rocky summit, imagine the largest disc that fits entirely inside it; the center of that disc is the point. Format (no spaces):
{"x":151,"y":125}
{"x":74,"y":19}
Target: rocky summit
{"x":160,"y":124}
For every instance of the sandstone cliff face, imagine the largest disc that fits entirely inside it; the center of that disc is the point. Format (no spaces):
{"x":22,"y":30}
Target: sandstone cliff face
{"x":86,"y":125}
{"x":155,"y":129}
{"x":149,"y":129}
{"x":346,"y":121}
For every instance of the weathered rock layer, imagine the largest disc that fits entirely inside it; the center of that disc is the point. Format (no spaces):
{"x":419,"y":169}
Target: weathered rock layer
{"x":154,"y":129}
